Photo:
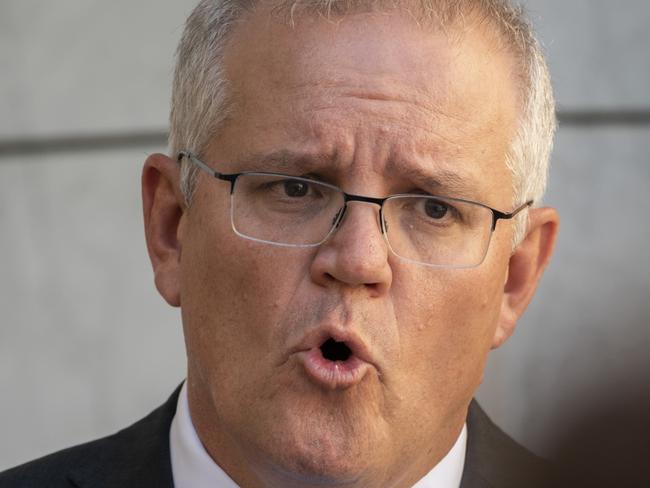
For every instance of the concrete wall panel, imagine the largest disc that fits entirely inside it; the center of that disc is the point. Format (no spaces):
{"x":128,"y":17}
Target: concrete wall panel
{"x":86,"y":66}
{"x":86,"y":344}
{"x":586,"y":336}
{"x":597,"y":51}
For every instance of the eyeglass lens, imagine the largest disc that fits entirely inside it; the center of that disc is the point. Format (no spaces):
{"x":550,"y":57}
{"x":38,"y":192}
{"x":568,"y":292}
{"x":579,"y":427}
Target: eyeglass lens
{"x":302,"y":212}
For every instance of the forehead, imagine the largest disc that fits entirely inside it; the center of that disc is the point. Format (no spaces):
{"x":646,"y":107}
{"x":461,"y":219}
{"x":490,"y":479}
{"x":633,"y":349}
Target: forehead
{"x":374,"y":84}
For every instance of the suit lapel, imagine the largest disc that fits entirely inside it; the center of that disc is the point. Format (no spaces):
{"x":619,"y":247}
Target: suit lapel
{"x":493,"y":459}
{"x":477,"y":454}
{"x":137,"y":456}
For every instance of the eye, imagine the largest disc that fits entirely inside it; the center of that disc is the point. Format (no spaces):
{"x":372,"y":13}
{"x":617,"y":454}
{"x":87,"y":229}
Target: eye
{"x":436,"y":209}
{"x":295,"y":188}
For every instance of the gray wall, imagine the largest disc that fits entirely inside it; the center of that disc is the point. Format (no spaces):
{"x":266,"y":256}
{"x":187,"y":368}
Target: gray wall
{"x":86,"y":344}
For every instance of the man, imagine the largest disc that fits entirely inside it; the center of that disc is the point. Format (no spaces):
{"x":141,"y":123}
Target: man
{"x":349,"y":222}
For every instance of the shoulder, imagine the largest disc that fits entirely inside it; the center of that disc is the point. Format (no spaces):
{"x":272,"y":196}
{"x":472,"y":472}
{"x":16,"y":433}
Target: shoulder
{"x":55,"y":470}
{"x":139,"y":452}
{"x":494,"y":459}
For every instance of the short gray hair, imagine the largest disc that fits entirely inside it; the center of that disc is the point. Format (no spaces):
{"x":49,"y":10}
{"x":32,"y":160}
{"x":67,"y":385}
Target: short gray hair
{"x":200,"y":97}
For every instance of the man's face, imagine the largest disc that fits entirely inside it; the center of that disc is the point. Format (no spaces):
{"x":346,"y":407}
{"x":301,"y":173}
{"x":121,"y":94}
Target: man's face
{"x":369,"y":103}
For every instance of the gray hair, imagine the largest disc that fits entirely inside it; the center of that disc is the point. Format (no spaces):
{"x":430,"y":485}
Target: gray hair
{"x":200,"y":98}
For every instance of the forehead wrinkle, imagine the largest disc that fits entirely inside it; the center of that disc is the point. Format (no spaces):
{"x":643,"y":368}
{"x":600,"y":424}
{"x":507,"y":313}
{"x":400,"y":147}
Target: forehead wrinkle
{"x":428,"y":102}
{"x":445,"y":130}
{"x":424,"y":117}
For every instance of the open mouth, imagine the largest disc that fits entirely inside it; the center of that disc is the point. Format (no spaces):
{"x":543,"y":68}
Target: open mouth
{"x":333,"y":364}
{"x":335,"y":351}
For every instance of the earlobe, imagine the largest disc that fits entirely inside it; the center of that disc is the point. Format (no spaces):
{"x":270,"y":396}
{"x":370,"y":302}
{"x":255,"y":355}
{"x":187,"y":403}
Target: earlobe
{"x":163,"y":212}
{"x":525,"y":269}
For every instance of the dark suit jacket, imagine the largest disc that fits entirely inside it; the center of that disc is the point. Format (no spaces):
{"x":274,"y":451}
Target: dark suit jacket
{"x":138,"y":456}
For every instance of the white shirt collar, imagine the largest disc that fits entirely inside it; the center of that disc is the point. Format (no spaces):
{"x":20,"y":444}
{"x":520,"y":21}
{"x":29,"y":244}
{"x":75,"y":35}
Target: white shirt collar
{"x":449,"y":471}
{"x":192,"y":466}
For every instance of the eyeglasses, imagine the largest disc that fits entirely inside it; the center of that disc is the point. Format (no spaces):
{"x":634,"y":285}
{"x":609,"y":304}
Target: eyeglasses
{"x":294,"y":211}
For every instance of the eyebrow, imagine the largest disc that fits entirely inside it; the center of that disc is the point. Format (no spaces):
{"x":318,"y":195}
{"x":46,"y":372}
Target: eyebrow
{"x":437,"y":176}
{"x":441,"y":182}
{"x":284,"y":161}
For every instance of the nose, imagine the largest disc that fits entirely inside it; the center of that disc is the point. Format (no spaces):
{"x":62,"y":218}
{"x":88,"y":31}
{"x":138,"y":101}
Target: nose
{"x":356,"y":255}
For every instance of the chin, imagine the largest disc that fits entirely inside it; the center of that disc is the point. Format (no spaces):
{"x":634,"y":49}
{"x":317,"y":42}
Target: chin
{"x":319,"y":465}
{"x":322,"y":445}
{"x":307,"y":477}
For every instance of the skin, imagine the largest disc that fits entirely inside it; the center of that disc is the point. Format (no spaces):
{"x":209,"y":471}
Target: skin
{"x":369,"y":100}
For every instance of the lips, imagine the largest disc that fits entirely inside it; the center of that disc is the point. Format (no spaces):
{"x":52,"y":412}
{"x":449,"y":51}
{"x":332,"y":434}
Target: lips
{"x":334,"y":359}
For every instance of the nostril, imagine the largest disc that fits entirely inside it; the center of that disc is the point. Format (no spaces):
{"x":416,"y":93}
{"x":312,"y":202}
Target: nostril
{"x":335,"y":351}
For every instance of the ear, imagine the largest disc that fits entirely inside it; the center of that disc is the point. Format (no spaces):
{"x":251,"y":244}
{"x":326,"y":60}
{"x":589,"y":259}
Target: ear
{"x":163,"y":207}
{"x":525,"y":269}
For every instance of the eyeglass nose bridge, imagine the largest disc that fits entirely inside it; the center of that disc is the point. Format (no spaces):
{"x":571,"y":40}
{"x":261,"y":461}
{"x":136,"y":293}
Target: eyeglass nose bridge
{"x":338,"y":218}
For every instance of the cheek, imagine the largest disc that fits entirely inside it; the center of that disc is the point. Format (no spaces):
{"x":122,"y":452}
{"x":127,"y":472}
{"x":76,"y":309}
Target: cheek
{"x":233,"y":294}
{"x":446,"y":338}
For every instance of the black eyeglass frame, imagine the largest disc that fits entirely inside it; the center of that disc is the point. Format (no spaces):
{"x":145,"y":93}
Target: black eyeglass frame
{"x":347,"y":197}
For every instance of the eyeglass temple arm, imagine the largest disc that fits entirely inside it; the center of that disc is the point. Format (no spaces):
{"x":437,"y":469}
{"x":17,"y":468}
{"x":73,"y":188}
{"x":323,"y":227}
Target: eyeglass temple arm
{"x":204,"y":167}
{"x":496,"y":215}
